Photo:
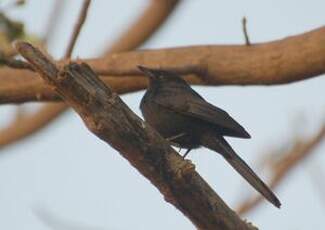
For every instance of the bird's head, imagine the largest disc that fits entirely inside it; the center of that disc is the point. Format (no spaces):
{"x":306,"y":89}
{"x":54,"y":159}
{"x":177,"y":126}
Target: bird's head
{"x":159,"y":76}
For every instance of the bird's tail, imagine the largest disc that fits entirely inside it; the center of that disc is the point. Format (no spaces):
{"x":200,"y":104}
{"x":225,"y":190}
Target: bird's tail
{"x":220,"y":145}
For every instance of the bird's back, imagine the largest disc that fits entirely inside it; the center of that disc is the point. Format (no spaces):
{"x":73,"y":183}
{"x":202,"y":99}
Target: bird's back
{"x":168,"y":122}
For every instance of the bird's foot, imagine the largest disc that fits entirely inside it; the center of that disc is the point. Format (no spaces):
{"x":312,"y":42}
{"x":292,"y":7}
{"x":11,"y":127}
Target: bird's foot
{"x":185,"y":168}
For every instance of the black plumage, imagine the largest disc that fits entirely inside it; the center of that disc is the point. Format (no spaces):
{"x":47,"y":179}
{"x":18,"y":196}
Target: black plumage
{"x":182,"y":116}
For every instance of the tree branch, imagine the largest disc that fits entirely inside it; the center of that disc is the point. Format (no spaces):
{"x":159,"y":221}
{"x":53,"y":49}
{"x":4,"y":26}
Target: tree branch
{"x":31,"y":124}
{"x":244,"y":24}
{"x":14,"y":63}
{"x":77,"y":28}
{"x":278,"y":62}
{"x":105,"y":114}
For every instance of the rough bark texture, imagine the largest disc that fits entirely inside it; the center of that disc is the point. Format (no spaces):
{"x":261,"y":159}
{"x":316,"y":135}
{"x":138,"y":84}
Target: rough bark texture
{"x":110,"y":119}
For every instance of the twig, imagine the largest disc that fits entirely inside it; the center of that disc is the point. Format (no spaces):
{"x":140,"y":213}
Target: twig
{"x":300,"y":150}
{"x":76,"y":31}
{"x":15,"y":64}
{"x":244,"y":23}
{"x":105,"y":114}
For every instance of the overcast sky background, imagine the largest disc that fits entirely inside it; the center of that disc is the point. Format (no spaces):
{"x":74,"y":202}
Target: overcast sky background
{"x":66,"y":178}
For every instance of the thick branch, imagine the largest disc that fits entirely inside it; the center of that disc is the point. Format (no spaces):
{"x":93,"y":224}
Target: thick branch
{"x":280,"y":62}
{"x":110,"y":119}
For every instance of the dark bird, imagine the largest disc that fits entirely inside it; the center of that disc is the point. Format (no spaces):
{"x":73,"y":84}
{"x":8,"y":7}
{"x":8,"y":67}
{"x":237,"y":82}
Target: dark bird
{"x":188,"y":121}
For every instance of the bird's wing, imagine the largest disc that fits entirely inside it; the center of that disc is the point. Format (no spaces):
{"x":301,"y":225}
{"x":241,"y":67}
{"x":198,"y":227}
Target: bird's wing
{"x":195,"y":106}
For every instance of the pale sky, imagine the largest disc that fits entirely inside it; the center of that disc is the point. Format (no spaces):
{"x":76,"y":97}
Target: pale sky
{"x":66,"y":178}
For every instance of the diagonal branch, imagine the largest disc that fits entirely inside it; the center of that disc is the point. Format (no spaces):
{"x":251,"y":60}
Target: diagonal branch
{"x":132,"y":38}
{"x":106,"y":115}
{"x":29,"y":124}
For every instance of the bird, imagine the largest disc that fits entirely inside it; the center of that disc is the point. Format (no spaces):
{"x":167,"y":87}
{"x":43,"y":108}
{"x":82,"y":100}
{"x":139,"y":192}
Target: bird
{"x":188,"y":121}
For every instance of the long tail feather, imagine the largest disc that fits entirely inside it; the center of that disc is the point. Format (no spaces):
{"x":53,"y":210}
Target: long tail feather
{"x":221,"y":146}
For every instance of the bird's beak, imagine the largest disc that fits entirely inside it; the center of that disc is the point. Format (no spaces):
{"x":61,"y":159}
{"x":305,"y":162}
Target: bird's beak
{"x":148,"y":72}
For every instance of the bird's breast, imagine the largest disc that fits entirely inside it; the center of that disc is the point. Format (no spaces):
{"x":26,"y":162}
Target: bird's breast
{"x":159,"y":117}
{"x":170,"y":124}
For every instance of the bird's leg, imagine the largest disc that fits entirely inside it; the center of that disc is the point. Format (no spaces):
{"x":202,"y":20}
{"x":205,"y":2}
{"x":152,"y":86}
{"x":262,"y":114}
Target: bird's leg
{"x":187,"y":152}
{"x":171,"y":139}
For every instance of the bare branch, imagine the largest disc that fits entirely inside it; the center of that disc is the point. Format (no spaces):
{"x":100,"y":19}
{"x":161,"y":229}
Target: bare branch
{"x":244,"y":23}
{"x":27,"y":86}
{"x":105,"y":114}
{"x":278,"y":62}
{"x":14,"y":63}
{"x":289,"y":160}
{"x":29,"y":124}
{"x":76,"y":31}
